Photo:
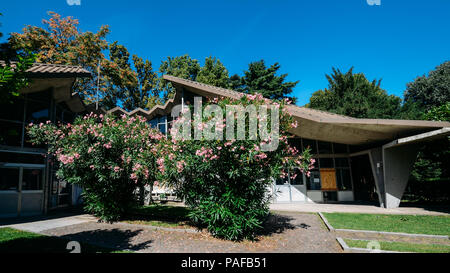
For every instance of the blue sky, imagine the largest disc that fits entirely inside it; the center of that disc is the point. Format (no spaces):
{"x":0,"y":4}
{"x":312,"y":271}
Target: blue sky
{"x":396,"y":41}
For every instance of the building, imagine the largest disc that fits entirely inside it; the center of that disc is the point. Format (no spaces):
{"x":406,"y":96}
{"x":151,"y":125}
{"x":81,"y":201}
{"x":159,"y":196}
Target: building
{"x":28,"y":185}
{"x":356,"y":159}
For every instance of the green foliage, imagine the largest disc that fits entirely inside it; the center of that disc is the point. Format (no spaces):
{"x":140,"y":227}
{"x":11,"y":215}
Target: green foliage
{"x":61,"y":42}
{"x":439,"y":113}
{"x":13,"y":75}
{"x":264,"y":80}
{"x":430,"y":174}
{"x":353,"y":95}
{"x":225,"y":182}
{"x":430,"y":90}
{"x":213,"y":73}
{"x":182,"y":67}
{"x":108,"y":157}
{"x":136,"y":87}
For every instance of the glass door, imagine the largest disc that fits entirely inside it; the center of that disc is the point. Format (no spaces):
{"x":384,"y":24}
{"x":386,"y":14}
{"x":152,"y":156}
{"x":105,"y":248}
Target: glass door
{"x":298,"y":186}
{"x":21,"y":189}
{"x":292,"y":188}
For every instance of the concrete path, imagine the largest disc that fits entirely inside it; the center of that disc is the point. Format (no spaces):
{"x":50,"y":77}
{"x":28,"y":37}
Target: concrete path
{"x":41,"y":225}
{"x":351,"y":208}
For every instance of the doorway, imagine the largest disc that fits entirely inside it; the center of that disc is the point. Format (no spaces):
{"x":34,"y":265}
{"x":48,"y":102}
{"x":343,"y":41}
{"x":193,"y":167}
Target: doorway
{"x":363,"y":181}
{"x":292,"y":188}
{"x":21,"y":192}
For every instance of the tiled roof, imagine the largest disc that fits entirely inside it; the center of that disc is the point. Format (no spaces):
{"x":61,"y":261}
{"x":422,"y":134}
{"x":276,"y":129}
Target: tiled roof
{"x":55,"y":70}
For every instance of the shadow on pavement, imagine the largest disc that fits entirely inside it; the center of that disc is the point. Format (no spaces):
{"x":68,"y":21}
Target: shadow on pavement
{"x":110,"y":238}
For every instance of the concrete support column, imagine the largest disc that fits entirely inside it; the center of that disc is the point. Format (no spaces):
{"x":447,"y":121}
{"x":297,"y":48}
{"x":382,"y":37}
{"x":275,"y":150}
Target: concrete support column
{"x":376,"y":162}
{"x":397,"y":164}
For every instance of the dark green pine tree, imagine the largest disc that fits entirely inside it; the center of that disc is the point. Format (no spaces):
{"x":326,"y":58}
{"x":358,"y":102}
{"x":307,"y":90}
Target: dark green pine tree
{"x":261,"y":79}
{"x":353,"y":95}
{"x":213,"y":73}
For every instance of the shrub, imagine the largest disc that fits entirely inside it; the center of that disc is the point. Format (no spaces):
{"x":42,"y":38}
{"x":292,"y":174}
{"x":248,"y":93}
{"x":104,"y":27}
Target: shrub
{"x":108,"y":157}
{"x":226,"y":182}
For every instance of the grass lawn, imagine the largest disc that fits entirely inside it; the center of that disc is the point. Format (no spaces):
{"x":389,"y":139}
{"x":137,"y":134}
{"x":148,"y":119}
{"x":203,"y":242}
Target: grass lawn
{"x":17,"y":241}
{"x":420,"y":224}
{"x":401,"y":246}
{"x":159,"y":215}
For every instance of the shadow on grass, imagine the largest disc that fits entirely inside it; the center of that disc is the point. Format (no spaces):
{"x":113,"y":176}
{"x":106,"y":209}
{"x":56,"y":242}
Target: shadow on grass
{"x":96,"y":241}
{"x":172,"y":215}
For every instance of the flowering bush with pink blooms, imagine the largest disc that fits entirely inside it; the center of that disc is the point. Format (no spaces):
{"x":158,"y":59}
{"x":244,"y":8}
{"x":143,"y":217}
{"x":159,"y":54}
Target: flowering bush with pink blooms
{"x":109,"y":157}
{"x":226,"y":182}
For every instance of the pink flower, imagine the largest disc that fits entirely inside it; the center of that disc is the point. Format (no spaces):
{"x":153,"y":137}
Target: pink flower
{"x":134,"y":177}
{"x":261,"y":156}
{"x":107,"y":145}
{"x":180,"y":166}
{"x":116,"y":169}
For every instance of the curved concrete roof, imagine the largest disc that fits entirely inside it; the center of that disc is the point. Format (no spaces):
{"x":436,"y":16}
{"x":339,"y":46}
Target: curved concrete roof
{"x":321,"y":125}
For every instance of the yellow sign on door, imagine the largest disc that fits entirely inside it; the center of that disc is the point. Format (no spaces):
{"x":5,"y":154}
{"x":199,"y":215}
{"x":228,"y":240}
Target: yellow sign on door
{"x":328,"y":179}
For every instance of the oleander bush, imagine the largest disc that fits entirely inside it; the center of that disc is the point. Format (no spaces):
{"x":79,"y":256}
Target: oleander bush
{"x":109,"y":157}
{"x":226,"y":182}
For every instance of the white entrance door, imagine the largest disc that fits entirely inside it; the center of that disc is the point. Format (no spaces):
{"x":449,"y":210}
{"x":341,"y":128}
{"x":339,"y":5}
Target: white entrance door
{"x":298,"y":186}
{"x":282,"y":191}
{"x":292,"y":188}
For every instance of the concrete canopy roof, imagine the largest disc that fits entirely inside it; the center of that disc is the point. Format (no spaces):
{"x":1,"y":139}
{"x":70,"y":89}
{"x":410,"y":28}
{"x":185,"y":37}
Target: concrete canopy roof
{"x":59,"y":78}
{"x":325,"y":126}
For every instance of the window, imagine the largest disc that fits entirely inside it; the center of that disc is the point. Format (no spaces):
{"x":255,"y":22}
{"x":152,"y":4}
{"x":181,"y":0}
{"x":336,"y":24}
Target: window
{"x":10,"y":133}
{"x":37,"y":112}
{"x":12,"y":110}
{"x":311,"y":144}
{"x":9,"y":179}
{"x":32,"y":179}
{"x":11,"y":157}
{"x":324,"y":147}
{"x":162,"y":128}
{"x":326,"y":163}
{"x":341,"y":162}
{"x":298,"y":180}
{"x":295,"y":142}
{"x":343,"y":179}
{"x":314,"y":181}
{"x":340,"y":148}
{"x":281,"y":181}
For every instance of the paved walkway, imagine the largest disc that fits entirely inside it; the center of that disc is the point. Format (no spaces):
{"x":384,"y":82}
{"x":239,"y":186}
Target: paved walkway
{"x":351,"y":208}
{"x":39,"y":225}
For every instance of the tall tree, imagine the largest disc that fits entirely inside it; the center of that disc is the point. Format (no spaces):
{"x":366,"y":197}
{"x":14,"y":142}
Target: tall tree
{"x":136,"y":84}
{"x":235,"y":83}
{"x":61,"y":42}
{"x":182,"y":67}
{"x":353,"y":95}
{"x":430,"y":90}
{"x":213,"y":73}
{"x":261,"y":79}
{"x":120,"y":83}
